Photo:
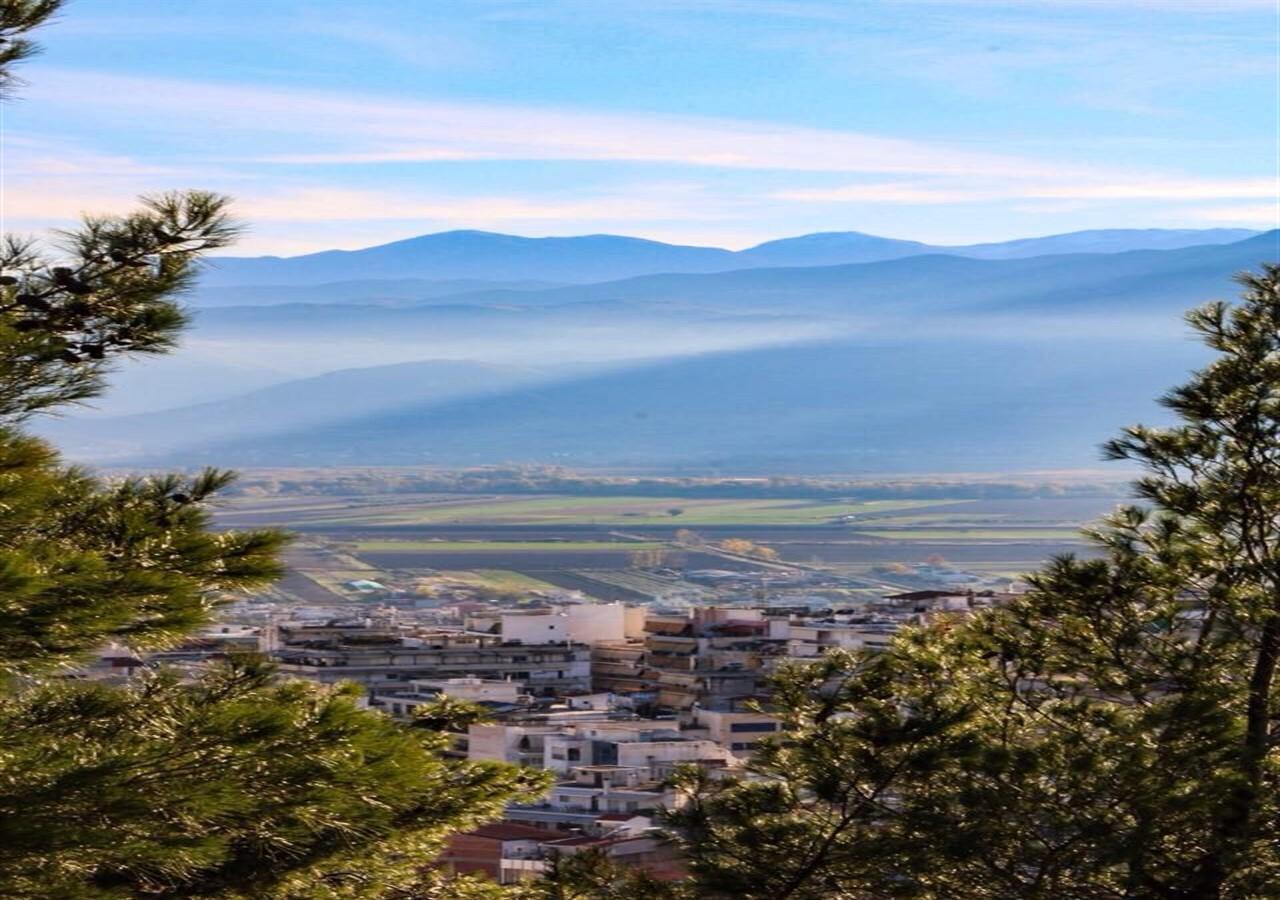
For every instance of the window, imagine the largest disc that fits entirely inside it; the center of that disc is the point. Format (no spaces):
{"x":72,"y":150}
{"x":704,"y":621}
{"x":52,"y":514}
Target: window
{"x":743,"y":745}
{"x":740,"y":727}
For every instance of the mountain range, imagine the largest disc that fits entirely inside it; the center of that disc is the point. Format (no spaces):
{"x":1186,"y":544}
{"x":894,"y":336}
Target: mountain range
{"x":485,"y":256}
{"x":926,"y":362}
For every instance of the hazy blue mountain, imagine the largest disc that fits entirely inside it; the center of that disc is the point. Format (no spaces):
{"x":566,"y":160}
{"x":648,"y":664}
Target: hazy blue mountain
{"x":474,"y":254}
{"x":390,"y":292}
{"x":831,"y":248}
{"x":184,"y":378}
{"x":1107,"y":240}
{"x":487,"y":256}
{"x":293,"y":405}
{"x":908,"y":406}
{"x":1137,"y":281}
{"x":300,"y":320}
{"x":927,"y":363}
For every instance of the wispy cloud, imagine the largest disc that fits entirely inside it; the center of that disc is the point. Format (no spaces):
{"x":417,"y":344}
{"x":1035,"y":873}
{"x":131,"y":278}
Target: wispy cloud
{"x":1267,"y":214}
{"x":1138,"y":188}
{"x":329,"y":128}
{"x":960,"y":150}
{"x":641,"y":202}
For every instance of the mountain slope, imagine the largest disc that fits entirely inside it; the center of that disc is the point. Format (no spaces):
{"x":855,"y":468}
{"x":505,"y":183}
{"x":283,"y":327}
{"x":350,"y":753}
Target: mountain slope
{"x":591,"y":258}
{"x":933,"y":362}
{"x":1167,"y":280}
{"x":297,"y":404}
{"x":389,"y":292}
{"x":474,"y":254}
{"x":845,"y":406}
{"x":1107,"y":240}
{"x":833,"y":248}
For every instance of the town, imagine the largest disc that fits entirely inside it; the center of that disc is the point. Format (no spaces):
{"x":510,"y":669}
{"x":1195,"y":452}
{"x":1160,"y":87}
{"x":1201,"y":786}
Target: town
{"x":648,"y":450}
{"x":611,"y":697}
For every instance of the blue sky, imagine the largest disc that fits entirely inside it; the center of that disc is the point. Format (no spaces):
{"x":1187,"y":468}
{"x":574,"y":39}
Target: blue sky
{"x":719,"y":122}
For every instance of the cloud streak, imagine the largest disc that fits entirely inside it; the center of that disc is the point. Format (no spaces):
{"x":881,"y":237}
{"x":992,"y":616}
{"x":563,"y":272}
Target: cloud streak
{"x":319,"y":128}
{"x":1138,"y":188}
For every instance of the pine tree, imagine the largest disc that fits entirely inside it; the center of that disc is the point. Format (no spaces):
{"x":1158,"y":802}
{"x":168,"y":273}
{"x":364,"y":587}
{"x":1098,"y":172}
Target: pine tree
{"x":592,"y":875}
{"x":231,"y":784}
{"x":1113,"y":733}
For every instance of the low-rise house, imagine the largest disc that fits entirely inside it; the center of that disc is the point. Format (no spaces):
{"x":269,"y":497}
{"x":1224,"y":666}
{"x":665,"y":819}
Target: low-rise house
{"x":498,"y":851}
{"x":380,"y":656}
{"x":738,"y":731}
{"x":401,"y":701}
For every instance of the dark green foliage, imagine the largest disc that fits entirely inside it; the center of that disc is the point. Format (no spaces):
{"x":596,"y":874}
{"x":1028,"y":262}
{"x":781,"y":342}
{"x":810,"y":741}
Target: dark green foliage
{"x":111,"y":293}
{"x":222,"y":781}
{"x":449,"y":714}
{"x":236,"y":785}
{"x":1111,"y":734}
{"x":592,"y":875}
{"x":82,"y":562}
{"x":17,"y":18}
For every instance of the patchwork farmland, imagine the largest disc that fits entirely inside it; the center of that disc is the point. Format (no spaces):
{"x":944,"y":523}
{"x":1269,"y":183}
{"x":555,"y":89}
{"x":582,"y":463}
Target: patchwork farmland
{"x":637,"y":549}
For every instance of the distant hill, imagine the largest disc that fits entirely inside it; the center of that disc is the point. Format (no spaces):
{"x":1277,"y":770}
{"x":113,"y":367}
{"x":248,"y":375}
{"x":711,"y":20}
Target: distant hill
{"x":486,"y":256}
{"x":834,"y":248}
{"x":474,"y":255}
{"x":298,"y":404}
{"x":1141,"y":280}
{"x":933,"y":363}
{"x":1108,"y":240}
{"x":850,"y":406}
{"x":388,"y":292}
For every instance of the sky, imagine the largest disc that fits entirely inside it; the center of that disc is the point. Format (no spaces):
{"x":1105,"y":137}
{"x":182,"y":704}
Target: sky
{"x":714,"y":122}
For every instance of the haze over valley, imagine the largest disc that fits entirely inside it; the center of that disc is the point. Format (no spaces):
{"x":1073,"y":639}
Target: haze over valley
{"x":823,"y":353}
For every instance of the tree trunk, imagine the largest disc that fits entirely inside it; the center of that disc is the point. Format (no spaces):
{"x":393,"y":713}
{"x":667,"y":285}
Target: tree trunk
{"x":1235,"y":822}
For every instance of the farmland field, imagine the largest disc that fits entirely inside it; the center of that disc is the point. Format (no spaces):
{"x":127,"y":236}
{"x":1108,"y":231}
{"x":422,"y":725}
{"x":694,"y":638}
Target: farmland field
{"x":535,"y":562}
{"x":542,"y":542}
{"x":409,"y":546}
{"x":409,"y":510}
{"x":976,"y":534}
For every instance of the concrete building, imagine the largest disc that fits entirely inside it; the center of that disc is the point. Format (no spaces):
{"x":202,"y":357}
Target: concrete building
{"x":500,"y":850}
{"x":716,"y":657}
{"x":807,"y":637}
{"x":738,"y":731}
{"x":618,"y":667}
{"x":402,"y":701}
{"x":584,"y":623}
{"x":510,"y":852}
{"x":590,"y":793}
{"x":379,"y":657}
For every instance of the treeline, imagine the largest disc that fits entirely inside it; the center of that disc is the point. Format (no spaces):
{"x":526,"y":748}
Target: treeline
{"x":536,"y":480}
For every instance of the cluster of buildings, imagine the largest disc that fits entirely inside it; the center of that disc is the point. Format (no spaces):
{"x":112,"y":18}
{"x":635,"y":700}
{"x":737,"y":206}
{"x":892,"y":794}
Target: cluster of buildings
{"x":612,"y":699}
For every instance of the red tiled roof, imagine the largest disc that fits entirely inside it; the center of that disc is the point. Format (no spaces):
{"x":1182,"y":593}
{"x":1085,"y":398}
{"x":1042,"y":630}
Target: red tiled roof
{"x":509,"y":831}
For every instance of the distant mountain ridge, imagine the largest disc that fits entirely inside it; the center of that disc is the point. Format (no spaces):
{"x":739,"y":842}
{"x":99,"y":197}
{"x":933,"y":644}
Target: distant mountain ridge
{"x":488,"y":256}
{"x":974,"y":404}
{"x":921,"y":285}
{"x":926,"y":363}
{"x":384,"y":292}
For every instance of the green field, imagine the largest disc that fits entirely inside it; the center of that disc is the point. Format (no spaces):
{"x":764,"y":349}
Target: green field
{"x":622,"y":511}
{"x":502,"y":579}
{"x":498,"y":546}
{"x":978,"y":534}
